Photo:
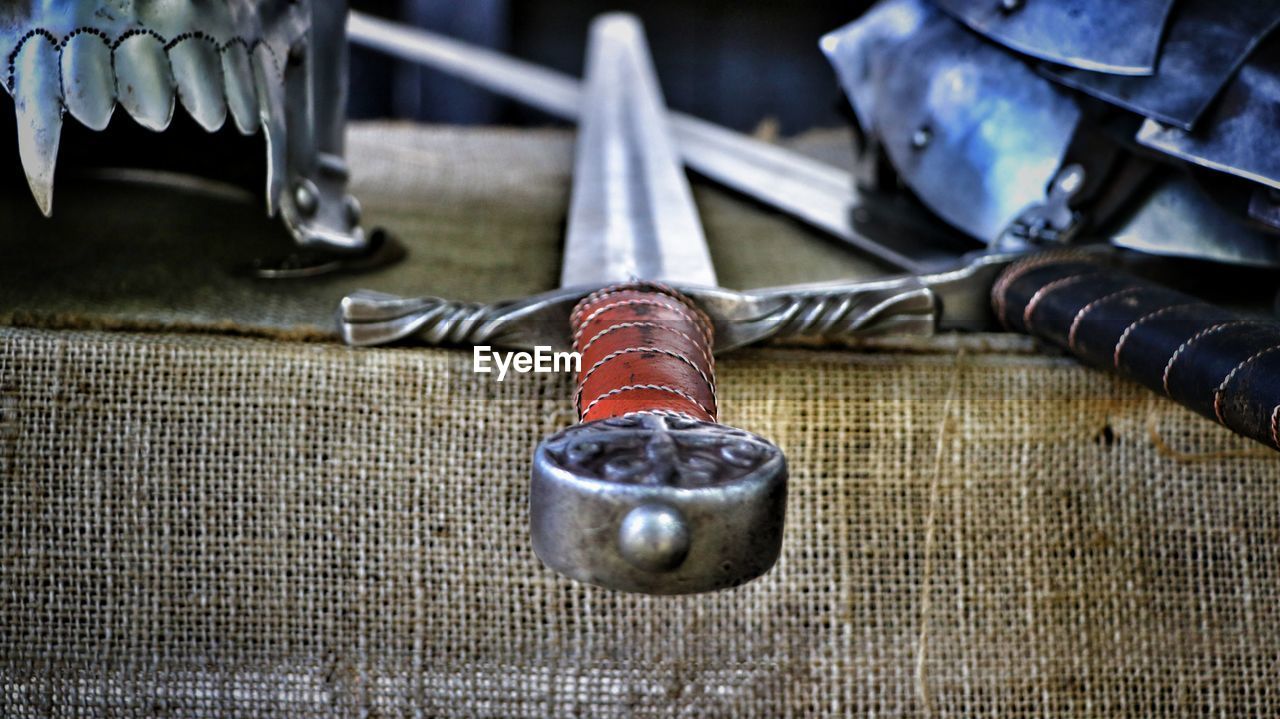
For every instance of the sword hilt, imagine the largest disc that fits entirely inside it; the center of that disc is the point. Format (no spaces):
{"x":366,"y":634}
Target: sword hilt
{"x":645,"y":348}
{"x":649,"y":494}
{"x":1221,"y":364}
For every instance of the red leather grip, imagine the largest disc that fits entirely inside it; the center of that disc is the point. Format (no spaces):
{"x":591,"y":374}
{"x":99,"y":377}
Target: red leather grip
{"x":645,"y":348}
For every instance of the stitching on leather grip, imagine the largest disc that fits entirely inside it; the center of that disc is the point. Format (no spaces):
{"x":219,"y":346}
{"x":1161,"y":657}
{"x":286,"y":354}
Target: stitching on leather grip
{"x":1124,"y":336}
{"x":656,"y":387}
{"x":706,"y":356}
{"x":1043,"y":292}
{"x":663,"y":413}
{"x":586,"y":312}
{"x":1075,"y":321}
{"x":701,"y":318}
{"x":633,"y":286}
{"x":677,"y":307}
{"x":582,"y":383}
{"x":1195,"y":338}
{"x":1000,"y":291}
{"x":1222,"y":388}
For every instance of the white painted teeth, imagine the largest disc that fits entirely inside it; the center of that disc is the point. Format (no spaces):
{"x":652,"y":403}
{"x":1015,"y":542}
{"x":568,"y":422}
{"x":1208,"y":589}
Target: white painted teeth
{"x":88,"y":85}
{"x":237,"y":74}
{"x":197,"y":69}
{"x":37,"y":99}
{"x":144,"y":82}
{"x":87,"y":74}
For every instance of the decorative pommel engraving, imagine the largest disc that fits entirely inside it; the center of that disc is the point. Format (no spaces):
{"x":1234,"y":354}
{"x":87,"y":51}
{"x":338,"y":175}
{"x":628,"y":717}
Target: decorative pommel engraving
{"x":658,"y":503}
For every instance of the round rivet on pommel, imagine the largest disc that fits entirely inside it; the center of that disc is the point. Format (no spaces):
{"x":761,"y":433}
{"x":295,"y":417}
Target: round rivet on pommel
{"x":657,"y":503}
{"x":307,"y":197}
{"x":654,"y":537}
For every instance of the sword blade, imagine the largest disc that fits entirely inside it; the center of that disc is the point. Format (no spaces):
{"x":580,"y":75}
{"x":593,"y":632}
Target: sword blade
{"x":632,"y":214}
{"x":814,"y":192}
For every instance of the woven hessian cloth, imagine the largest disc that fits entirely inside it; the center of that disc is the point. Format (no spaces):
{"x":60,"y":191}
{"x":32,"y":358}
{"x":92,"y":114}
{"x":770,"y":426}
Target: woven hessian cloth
{"x":202,"y":525}
{"x":205,"y":527}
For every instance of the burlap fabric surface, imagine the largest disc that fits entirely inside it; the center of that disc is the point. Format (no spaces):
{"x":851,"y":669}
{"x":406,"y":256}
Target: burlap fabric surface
{"x":198,"y":525}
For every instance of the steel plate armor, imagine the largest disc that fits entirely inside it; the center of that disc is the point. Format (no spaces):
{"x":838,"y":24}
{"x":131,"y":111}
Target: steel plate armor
{"x":1037,"y":121}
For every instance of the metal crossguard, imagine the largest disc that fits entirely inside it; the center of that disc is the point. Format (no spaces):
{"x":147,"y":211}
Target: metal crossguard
{"x":830,"y":313}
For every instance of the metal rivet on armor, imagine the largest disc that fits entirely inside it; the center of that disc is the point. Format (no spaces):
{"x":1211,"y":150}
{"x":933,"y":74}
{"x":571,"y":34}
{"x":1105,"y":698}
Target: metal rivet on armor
{"x":921,"y":138}
{"x":306,"y":197}
{"x":1070,"y":179}
{"x":654,"y":537}
{"x":354,"y":211}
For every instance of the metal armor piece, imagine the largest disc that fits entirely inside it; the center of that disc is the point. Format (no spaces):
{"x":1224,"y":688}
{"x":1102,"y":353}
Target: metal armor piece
{"x":1176,"y":218}
{"x":605,"y":494}
{"x":1115,"y":37}
{"x":861,"y":51}
{"x":978,"y":138}
{"x":274,"y":65}
{"x":1203,"y":49}
{"x":1010,"y":157}
{"x":1239,"y":135}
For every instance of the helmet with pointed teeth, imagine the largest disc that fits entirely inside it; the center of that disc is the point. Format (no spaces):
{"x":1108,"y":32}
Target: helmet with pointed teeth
{"x":272,"y":66}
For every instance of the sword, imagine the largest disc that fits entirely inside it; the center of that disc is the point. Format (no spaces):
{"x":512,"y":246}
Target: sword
{"x":811,"y":191}
{"x":648,"y":493}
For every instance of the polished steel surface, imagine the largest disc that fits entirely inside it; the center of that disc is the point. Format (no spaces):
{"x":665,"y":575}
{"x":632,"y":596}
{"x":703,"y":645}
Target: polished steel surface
{"x":144,"y":81}
{"x":659,"y":504}
{"x":89,"y":83}
{"x":631,"y":215}
{"x":1121,"y":38}
{"x":193,"y":60}
{"x":1238,"y":136}
{"x":1264,"y":207}
{"x":814,"y":192}
{"x":1204,"y":46}
{"x":859,"y":51}
{"x":976,"y":136}
{"x":37,"y":100}
{"x":1177,"y":219}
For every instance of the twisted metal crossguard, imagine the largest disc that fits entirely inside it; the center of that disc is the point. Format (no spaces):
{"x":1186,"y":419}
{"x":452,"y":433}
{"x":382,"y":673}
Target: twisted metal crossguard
{"x":835,"y":314}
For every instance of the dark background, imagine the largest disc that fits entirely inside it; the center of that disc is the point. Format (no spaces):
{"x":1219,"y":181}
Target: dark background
{"x":738,"y":63}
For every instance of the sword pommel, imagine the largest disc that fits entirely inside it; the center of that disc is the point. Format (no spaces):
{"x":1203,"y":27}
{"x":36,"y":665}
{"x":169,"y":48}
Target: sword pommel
{"x":650,"y":494}
{"x":658,"y":503}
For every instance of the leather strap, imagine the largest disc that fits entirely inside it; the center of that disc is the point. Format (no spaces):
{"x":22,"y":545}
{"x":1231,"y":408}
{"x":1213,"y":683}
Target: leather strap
{"x":645,"y":347}
{"x":1217,"y":362}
